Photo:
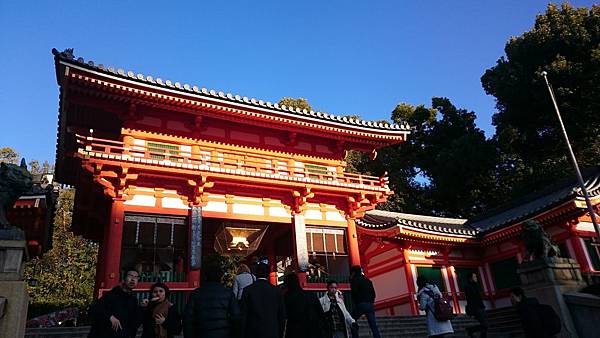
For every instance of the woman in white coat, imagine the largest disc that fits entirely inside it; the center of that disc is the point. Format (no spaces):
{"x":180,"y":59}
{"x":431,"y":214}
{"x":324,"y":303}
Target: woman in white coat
{"x":435,"y":328}
{"x":339,"y":322}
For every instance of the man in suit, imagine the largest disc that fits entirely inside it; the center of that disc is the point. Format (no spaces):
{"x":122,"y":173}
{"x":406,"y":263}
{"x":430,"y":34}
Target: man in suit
{"x":263,"y":309}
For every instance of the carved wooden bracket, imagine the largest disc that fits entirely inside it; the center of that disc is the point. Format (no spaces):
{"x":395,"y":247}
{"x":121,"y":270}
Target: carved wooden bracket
{"x":300,"y":198}
{"x":198,"y":195}
{"x":359,"y":204}
{"x":113,"y":184}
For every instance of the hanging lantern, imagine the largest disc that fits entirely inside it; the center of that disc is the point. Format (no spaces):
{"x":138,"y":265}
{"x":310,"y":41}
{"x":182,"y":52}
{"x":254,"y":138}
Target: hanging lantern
{"x":239,"y":239}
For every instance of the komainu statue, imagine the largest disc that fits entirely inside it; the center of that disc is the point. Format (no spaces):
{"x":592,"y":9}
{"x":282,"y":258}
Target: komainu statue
{"x":14,"y":181}
{"x":537,"y":242}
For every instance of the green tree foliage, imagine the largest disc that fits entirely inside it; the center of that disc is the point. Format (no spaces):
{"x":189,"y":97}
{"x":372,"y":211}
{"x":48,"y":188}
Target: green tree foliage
{"x":446,"y":167}
{"x":565,"y":42}
{"x":9,"y":155}
{"x":228,"y":264}
{"x":296,"y":103}
{"x":65,"y":274}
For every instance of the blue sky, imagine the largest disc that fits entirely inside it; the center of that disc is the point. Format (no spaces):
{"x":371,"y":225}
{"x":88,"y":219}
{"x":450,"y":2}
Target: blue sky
{"x":345,"y":57}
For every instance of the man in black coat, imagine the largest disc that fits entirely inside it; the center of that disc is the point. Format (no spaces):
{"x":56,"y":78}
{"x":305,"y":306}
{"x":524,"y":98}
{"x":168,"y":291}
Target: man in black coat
{"x":263,"y":309}
{"x":537,"y":323}
{"x":475,"y":307}
{"x":363,"y":297}
{"x":117,"y":314}
{"x":212,"y":310}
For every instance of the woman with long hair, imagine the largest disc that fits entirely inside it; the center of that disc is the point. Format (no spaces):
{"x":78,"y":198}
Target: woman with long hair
{"x":161,"y":319}
{"x":242,"y":280}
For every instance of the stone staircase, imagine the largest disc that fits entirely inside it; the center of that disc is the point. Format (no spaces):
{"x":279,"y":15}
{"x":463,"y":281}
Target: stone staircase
{"x":503,"y":323}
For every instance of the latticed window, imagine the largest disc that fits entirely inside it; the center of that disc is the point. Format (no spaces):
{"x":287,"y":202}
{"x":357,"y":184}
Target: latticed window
{"x":314,"y":171}
{"x":156,"y":149}
{"x":156,"y":246}
{"x":328,"y":258}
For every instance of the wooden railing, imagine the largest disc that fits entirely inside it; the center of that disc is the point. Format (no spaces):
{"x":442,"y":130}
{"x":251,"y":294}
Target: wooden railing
{"x":225,"y":160}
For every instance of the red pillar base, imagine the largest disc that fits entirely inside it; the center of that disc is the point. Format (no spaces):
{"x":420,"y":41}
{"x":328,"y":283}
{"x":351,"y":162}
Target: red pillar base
{"x":194,"y":278}
{"x":353,"y":251}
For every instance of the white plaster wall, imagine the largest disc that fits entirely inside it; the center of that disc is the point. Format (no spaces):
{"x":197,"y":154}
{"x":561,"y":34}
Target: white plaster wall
{"x":142,"y":200}
{"x":390,"y":284}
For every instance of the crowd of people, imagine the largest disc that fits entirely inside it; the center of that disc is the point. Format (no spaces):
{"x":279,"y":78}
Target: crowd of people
{"x":255,"y":308}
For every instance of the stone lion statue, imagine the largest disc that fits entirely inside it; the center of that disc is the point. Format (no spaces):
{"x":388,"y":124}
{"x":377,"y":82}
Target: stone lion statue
{"x":537,"y":242}
{"x":14,"y":181}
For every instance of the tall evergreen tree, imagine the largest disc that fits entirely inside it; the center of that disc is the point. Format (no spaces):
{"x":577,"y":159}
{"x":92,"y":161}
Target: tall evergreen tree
{"x":565,"y":42}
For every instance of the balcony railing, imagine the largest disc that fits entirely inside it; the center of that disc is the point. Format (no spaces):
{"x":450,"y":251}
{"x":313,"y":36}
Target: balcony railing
{"x":162,"y":276}
{"x":233,"y":162}
{"x":326,"y":278}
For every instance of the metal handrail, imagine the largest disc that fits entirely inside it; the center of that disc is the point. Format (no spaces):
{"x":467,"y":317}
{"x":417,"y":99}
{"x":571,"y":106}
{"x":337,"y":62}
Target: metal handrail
{"x":229,"y":159}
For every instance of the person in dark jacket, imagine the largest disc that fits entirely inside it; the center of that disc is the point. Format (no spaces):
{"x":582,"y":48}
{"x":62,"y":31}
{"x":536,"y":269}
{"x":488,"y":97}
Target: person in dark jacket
{"x":212,"y":310}
{"x":528,"y":309}
{"x":161,"y":319}
{"x":475,"y":307}
{"x":263,"y":310}
{"x":117,"y":313}
{"x":363,"y":296}
{"x":305,"y":317}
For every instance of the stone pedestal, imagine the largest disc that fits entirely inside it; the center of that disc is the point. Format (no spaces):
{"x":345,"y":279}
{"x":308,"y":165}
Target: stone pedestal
{"x":13,"y":288}
{"x":548,"y":280}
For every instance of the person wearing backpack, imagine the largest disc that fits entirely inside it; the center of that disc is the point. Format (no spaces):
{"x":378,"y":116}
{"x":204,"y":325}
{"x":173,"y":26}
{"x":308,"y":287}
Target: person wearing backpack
{"x":431,"y":301}
{"x":539,"y":320}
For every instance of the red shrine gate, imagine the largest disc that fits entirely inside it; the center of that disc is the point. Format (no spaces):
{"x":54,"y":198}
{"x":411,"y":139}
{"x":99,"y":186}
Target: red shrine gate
{"x":162,"y":169}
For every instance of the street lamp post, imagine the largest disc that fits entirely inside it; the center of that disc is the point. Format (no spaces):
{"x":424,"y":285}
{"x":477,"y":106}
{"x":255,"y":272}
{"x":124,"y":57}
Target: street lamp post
{"x":588,"y":202}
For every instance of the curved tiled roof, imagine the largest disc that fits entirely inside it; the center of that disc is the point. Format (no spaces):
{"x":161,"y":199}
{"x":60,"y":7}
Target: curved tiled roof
{"x":67,"y":55}
{"x":533,"y":204}
{"x":380,"y":220}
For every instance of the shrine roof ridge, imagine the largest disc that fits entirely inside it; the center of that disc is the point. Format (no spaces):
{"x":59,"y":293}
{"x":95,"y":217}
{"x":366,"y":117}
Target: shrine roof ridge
{"x":67,"y":55}
{"x":537,"y":202}
{"x":380,"y":219}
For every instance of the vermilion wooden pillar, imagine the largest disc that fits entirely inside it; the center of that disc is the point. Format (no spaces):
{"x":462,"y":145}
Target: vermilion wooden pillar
{"x":452,"y":284}
{"x":272,"y":267}
{"x":578,"y":246}
{"x":111,"y":253}
{"x":353,"y":251}
{"x":410,"y":282}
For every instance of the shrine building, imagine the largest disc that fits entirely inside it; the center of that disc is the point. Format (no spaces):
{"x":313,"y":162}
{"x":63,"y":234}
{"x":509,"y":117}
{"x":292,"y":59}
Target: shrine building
{"x":168,"y":173}
{"x":396,"y":248}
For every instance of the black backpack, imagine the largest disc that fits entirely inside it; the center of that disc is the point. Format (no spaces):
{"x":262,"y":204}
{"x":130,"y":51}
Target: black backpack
{"x":550,"y":320}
